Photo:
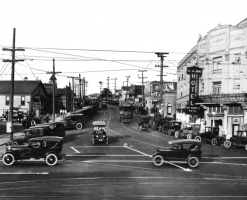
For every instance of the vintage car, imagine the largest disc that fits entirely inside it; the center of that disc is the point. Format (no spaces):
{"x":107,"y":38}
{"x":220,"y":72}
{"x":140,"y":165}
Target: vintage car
{"x":237,"y":140}
{"x":211,"y":134}
{"x":188,"y":130}
{"x":74,"y":121}
{"x":184,"y":150}
{"x":164,"y":120}
{"x":170,"y":127}
{"x":125,"y":112}
{"x":156,"y":121}
{"x":144,"y":123}
{"x":99,"y":132}
{"x":47,"y":147}
{"x":48,"y":129}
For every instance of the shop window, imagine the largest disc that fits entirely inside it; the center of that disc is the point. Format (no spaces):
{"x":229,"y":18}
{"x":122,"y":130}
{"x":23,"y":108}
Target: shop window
{"x":22,"y":101}
{"x":217,"y":87}
{"x":7,"y":101}
{"x":236,"y":84}
{"x":236,"y":110}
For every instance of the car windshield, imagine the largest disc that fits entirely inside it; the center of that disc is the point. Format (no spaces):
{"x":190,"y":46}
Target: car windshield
{"x":98,"y":128}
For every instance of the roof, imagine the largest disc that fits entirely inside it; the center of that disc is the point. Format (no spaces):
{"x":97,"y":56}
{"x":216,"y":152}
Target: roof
{"x":184,"y":141}
{"x":20,"y":87}
{"x":99,"y":123}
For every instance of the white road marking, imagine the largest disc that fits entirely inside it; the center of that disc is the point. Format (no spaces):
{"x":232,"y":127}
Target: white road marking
{"x":75,"y":150}
{"x":138,"y":151}
{"x":20,"y":173}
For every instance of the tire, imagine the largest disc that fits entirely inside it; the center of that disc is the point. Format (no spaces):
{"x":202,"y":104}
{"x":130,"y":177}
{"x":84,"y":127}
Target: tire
{"x":176,"y":134}
{"x":79,"y":126}
{"x":14,"y":144}
{"x":214,"y":142}
{"x":193,"y":162}
{"x":169,"y":132}
{"x":189,"y":136}
{"x":198,"y":138}
{"x":158,"y":160}
{"x":8,"y":159}
{"x":51,"y":159}
{"x":227,"y":144}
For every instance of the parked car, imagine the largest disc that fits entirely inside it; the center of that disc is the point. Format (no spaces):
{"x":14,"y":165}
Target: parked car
{"x":189,"y":131}
{"x":144,"y":123}
{"x":47,"y":129}
{"x":211,"y":135}
{"x":238,"y":140}
{"x":156,"y":121}
{"x":99,"y":132}
{"x":184,"y":150}
{"x":47,"y":147}
{"x":74,"y":121}
{"x":170,"y":127}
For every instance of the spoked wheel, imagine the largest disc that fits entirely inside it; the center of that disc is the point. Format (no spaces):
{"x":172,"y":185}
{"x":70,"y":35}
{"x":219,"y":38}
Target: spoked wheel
{"x":214,"y":142}
{"x":158,"y":160}
{"x":189,"y":136}
{"x":176,"y":134}
{"x":8,"y":159}
{"x":51,"y":159}
{"x":227,"y":144}
{"x":193,"y":162}
{"x":198,"y":138}
{"x":14,"y":144}
{"x":79,"y":126}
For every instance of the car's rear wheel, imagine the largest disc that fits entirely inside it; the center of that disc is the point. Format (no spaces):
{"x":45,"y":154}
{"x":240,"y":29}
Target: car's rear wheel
{"x":158,"y":160}
{"x":198,"y":138}
{"x":79,"y":126}
{"x":189,"y":136}
{"x":176,"y":134}
{"x":227,"y":144}
{"x":193,"y":162}
{"x":14,"y":144}
{"x":214,"y":142}
{"x":8,"y":159}
{"x":51,"y":159}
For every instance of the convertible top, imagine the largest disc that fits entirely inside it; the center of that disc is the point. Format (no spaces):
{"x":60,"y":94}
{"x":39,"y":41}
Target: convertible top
{"x":99,"y":123}
{"x":185,"y":141}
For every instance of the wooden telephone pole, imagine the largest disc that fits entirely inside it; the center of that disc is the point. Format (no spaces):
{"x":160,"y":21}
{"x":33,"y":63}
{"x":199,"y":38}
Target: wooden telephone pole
{"x":142,"y":85}
{"x":73,"y":95}
{"x":10,"y":128}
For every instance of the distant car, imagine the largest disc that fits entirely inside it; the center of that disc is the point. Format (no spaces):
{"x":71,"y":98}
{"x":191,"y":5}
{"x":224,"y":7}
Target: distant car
{"x":99,"y":132}
{"x":184,"y":150}
{"x":189,"y":131}
{"x":74,"y":121}
{"x":48,"y":147}
{"x":47,"y":129}
{"x":144,"y":123}
{"x":170,"y":127}
{"x":211,"y":134}
{"x":238,"y":140}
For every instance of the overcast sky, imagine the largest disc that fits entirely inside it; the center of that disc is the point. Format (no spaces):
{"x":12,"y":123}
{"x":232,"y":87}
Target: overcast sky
{"x":106,"y":38}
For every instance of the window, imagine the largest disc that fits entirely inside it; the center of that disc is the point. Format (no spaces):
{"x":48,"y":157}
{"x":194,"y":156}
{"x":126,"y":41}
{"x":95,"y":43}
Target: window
{"x":7,"y":101}
{"x":216,"y":64}
{"x":236,"y":84}
{"x":181,"y":90}
{"x":217,"y":87}
{"x":22,"y":101}
{"x":237,"y":59}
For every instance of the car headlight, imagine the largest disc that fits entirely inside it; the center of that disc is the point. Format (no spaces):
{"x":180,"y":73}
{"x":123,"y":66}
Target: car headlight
{"x":97,"y":136}
{"x":9,"y":147}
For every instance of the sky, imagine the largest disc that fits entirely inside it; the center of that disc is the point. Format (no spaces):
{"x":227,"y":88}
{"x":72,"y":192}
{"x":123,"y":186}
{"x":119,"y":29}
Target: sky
{"x":106,"y":39}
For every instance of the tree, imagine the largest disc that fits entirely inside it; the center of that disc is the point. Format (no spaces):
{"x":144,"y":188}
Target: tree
{"x":106,"y":93}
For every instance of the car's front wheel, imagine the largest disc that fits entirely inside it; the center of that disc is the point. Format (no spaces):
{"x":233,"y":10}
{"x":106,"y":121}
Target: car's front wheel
{"x":8,"y":159}
{"x":227,"y":144}
{"x":198,"y":138}
{"x":214,"y":142}
{"x":158,"y":160}
{"x":79,"y":126}
{"x":189,"y":136}
{"x":51,"y":159}
{"x":193,"y":162}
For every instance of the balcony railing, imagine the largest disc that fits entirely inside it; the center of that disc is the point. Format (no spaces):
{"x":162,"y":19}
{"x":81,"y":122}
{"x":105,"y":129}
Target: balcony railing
{"x":224,"y":98}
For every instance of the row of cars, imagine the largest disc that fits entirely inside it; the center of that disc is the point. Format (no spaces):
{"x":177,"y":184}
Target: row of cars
{"x":45,"y":140}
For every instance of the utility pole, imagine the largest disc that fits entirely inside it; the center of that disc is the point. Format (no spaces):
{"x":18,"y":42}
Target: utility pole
{"x":142,"y":85}
{"x":73,"y":96}
{"x":10,"y":127}
{"x":161,"y":55}
{"x":108,"y":79}
{"x":53,"y":79}
{"x":127,"y":86}
{"x":115,"y":83}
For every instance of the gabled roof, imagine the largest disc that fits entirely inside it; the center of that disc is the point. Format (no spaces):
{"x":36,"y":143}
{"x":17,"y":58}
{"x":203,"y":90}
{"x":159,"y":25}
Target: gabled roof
{"x":243,"y":23}
{"x":20,"y":87}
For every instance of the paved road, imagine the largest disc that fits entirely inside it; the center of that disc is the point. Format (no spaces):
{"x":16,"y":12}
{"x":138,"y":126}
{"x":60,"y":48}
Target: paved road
{"x":123,"y":169}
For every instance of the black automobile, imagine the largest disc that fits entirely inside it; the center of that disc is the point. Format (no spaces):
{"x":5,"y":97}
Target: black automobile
{"x":48,"y":147}
{"x":237,"y":140}
{"x":99,"y":132}
{"x":74,"y":121}
{"x":144,"y":123}
{"x":184,"y":150}
{"x":170,"y":127}
{"x":211,"y":134}
{"x":47,"y":129}
{"x":164,"y":121}
{"x":156,"y":121}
